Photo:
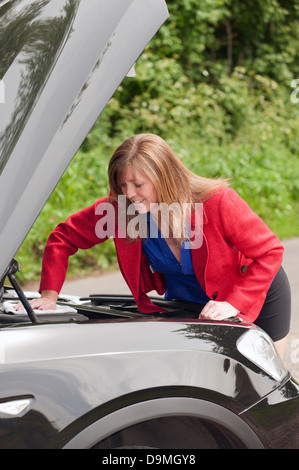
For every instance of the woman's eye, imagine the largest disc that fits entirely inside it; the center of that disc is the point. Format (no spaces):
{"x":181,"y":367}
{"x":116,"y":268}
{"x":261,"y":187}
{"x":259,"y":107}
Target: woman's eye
{"x":138,"y":185}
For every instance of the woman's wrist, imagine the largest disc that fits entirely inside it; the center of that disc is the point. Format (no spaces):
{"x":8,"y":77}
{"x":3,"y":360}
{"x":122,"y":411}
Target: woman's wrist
{"x":51,"y":295}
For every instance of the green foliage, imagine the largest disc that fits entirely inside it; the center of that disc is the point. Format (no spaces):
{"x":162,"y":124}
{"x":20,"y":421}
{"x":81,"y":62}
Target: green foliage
{"x":218,"y":35}
{"x":215,"y":82}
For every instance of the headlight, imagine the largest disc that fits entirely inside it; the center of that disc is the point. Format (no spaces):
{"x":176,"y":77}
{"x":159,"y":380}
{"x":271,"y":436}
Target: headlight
{"x":14,"y":408}
{"x":258,"y":347}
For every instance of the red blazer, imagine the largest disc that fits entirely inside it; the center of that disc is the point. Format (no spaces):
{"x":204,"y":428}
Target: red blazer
{"x":236,"y":263}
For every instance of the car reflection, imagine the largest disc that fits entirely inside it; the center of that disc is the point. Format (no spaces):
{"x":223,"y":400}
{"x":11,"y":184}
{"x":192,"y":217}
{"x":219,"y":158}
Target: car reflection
{"x":36,"y":41}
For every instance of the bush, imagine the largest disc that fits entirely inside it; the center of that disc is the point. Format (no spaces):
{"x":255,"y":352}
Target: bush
{"x":215,"y":83}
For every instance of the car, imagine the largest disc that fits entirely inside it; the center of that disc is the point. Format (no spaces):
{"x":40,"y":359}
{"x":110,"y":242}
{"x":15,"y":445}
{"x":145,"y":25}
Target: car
{"x":97,"y":373}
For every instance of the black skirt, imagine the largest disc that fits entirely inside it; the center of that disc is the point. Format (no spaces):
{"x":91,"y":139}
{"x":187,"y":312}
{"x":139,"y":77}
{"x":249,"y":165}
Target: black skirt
{"x":275,"y":315}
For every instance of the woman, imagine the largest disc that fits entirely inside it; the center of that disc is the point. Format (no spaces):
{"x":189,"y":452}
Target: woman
{"x":235,"y":270}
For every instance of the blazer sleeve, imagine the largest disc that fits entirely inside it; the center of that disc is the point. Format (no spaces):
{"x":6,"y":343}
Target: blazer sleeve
{"x":250,"y":235}
{"x":79,"y":231}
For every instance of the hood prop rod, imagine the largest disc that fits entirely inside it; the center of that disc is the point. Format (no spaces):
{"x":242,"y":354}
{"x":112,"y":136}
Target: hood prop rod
{"x":12,"y":269}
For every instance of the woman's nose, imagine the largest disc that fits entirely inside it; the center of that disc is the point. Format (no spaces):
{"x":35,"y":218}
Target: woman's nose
{"x":130,"y":191}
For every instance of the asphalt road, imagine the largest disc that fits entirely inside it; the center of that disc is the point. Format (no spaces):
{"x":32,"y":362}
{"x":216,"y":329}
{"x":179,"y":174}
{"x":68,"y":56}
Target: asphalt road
{"x":114,"y":284}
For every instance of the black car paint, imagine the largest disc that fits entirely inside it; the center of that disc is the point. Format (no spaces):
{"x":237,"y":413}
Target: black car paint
{"x":127,"y":362}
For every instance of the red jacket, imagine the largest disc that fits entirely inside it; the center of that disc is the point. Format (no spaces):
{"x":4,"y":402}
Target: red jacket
{"x":236,"y":263}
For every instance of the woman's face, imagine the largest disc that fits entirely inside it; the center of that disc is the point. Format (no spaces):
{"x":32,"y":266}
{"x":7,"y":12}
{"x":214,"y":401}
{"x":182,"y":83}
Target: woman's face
{"x":139,"y":189}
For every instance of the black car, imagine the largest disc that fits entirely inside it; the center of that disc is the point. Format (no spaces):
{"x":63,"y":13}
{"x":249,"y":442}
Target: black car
{"x":97,"y":373}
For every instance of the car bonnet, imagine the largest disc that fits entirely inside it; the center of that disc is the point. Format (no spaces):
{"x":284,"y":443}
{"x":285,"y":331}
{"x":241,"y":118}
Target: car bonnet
{"x":61,"y":61}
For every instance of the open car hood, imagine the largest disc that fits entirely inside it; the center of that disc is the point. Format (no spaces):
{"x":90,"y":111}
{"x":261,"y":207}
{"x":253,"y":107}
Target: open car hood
{"x":61,"y":61}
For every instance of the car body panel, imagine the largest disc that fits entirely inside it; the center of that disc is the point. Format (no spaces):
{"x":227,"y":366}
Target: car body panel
{"x":78,"y":372}
{"x":278,"y":416}
{"x":62,"y":64}
{"x":149,"y":411}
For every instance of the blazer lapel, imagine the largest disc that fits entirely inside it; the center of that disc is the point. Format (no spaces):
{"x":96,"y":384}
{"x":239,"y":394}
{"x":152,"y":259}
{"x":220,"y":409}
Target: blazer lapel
{"x":129,"y":259}
{"x":200,"y":254}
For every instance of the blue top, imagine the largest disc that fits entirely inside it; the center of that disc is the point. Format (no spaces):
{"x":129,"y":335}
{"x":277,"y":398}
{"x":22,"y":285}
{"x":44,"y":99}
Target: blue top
{"x":181,"y":282}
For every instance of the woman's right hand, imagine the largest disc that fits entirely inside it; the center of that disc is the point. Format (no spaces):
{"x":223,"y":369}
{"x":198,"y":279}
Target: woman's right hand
{"x":47,"y":301}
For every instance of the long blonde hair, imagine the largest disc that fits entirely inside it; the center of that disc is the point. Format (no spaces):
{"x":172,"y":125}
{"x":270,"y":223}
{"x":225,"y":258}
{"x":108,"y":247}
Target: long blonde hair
{"x":174,"y":182}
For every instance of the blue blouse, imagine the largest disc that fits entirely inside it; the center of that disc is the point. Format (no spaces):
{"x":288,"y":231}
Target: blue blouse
{"x":181,"y":282}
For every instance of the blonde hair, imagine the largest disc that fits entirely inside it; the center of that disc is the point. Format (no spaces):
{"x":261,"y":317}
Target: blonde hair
{"x":173,"y":181}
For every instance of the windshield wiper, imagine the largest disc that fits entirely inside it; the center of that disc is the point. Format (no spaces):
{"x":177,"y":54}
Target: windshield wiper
{"x":170,"y":308}
{"x":13,"y":268}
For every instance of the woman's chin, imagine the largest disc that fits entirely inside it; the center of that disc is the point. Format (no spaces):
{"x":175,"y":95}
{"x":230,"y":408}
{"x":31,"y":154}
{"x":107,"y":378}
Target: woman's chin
{"x":141,"y":207}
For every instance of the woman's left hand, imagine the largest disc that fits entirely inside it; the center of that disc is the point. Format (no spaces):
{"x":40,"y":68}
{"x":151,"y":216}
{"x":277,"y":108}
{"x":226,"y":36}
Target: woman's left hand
{"x":218,"y":311}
